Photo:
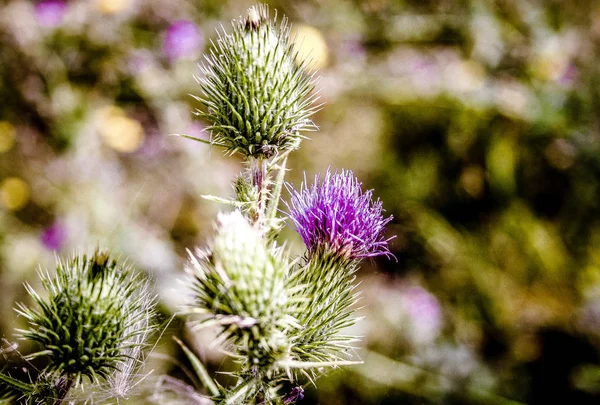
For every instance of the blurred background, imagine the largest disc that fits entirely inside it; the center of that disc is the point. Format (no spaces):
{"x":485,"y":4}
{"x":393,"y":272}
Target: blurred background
{"x":477,"y":122}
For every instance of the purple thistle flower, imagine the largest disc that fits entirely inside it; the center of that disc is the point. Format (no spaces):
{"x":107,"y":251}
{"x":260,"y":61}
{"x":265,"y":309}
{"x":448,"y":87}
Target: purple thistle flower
{"x":335,"y":216}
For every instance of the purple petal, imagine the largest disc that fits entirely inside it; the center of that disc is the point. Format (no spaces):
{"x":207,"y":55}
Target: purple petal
{"x":335,"y":215}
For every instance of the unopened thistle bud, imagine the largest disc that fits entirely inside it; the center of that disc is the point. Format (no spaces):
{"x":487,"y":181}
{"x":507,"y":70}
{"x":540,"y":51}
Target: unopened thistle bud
{"x":247,"y":194}
{"x":95,"y":320}
{"x":240,"y":284}
{"x":335,"y":217}
{"x":257,"y":97}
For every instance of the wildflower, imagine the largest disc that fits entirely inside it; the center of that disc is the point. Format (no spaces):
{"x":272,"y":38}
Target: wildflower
{"x":54,"y":236}
{"x":182,"y":41}
{"x":336,"y":216}
{"x":14,"y":193}
{"x":257,"y":97}
{"x":422,"y":315}
{"x":50,"y":13}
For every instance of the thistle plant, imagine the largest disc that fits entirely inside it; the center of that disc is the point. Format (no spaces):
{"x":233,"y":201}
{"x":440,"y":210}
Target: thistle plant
{"x":92,"y":327}
{"x":283,"y":318}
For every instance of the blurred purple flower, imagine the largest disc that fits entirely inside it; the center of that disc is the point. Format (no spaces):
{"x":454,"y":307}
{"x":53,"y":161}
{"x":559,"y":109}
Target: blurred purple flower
{"x":54,"y":236}
{"x":335,"y":216}
{"x":569,"y":75}
{"x":183,"y":40}
{"x":50,"y":13}
{"x":424,"y":314}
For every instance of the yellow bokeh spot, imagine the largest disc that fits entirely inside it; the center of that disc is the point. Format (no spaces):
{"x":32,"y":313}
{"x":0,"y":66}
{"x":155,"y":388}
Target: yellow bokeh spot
{"x":14,"y":193}
{"x":472,"y":179}
{"x":7,"y":136}
{"x":120,"y":132}
{"x":310,"y":45}
{"x":112,"y":6}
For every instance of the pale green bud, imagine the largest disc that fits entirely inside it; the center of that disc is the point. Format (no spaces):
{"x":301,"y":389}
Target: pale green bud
{"x":240,"y":284}
{"x":248,"y":276}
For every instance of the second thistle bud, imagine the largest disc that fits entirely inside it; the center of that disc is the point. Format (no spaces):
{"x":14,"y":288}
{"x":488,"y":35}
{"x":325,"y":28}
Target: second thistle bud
{"x":240,"y":282}
{"x":257,"y":98}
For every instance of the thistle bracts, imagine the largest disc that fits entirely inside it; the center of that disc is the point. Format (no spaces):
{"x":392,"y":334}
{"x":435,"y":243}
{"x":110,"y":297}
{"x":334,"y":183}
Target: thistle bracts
{"x":93,"y":324}
{"x":340,"y":225}
{"x":324,"y":308}
{"x":257,"y":96}
{"x":240,"y":284}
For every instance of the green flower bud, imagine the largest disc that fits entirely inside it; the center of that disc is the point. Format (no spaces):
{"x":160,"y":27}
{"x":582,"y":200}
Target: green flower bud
{"x":247,"y":194}
{"x":257,"y":96}
{"x":240,"y":284}
{"x":95,"y":320}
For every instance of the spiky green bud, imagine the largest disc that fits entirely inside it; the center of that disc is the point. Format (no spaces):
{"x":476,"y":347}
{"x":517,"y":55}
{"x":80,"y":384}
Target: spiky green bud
{"x":257,"y":97}
{"x":94,"y":321}
{"x":247,"y":194}
{"x":240,"y":284}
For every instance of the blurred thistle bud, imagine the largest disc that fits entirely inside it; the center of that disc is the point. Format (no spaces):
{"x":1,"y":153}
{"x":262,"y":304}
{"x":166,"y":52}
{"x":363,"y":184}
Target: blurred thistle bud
{"x":240,"y":284}
{"x":247,"y":194}
{"x":94,"y":322}
{"x":256,"y":94}
{"x":335,"y":217}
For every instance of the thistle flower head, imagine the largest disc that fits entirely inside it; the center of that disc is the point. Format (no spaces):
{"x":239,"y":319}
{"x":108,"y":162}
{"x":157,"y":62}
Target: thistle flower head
{"x":96,"y":317}
{"x":257,"y":98}
{"x":335,"y":216}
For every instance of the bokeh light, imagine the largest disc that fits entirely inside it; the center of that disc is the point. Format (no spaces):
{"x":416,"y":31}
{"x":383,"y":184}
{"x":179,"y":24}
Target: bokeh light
{"x":14,"y":193}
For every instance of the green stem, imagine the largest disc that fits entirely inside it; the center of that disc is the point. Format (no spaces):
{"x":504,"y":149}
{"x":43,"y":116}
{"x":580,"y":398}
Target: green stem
{"x":277,"y":187}
{"x":240,"y":392}
{"x":258,"y":170}
{"x":16,"y":384}
{"x":200,"y":370}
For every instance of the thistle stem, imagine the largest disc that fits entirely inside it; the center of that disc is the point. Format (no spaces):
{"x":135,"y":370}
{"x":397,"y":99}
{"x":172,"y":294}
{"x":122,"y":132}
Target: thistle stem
{"x":19,"y":385}
{"x":258,"y":168}
{"x":274,"y":200}
{"x":199,"y":368}
{"x":63,"y":387}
